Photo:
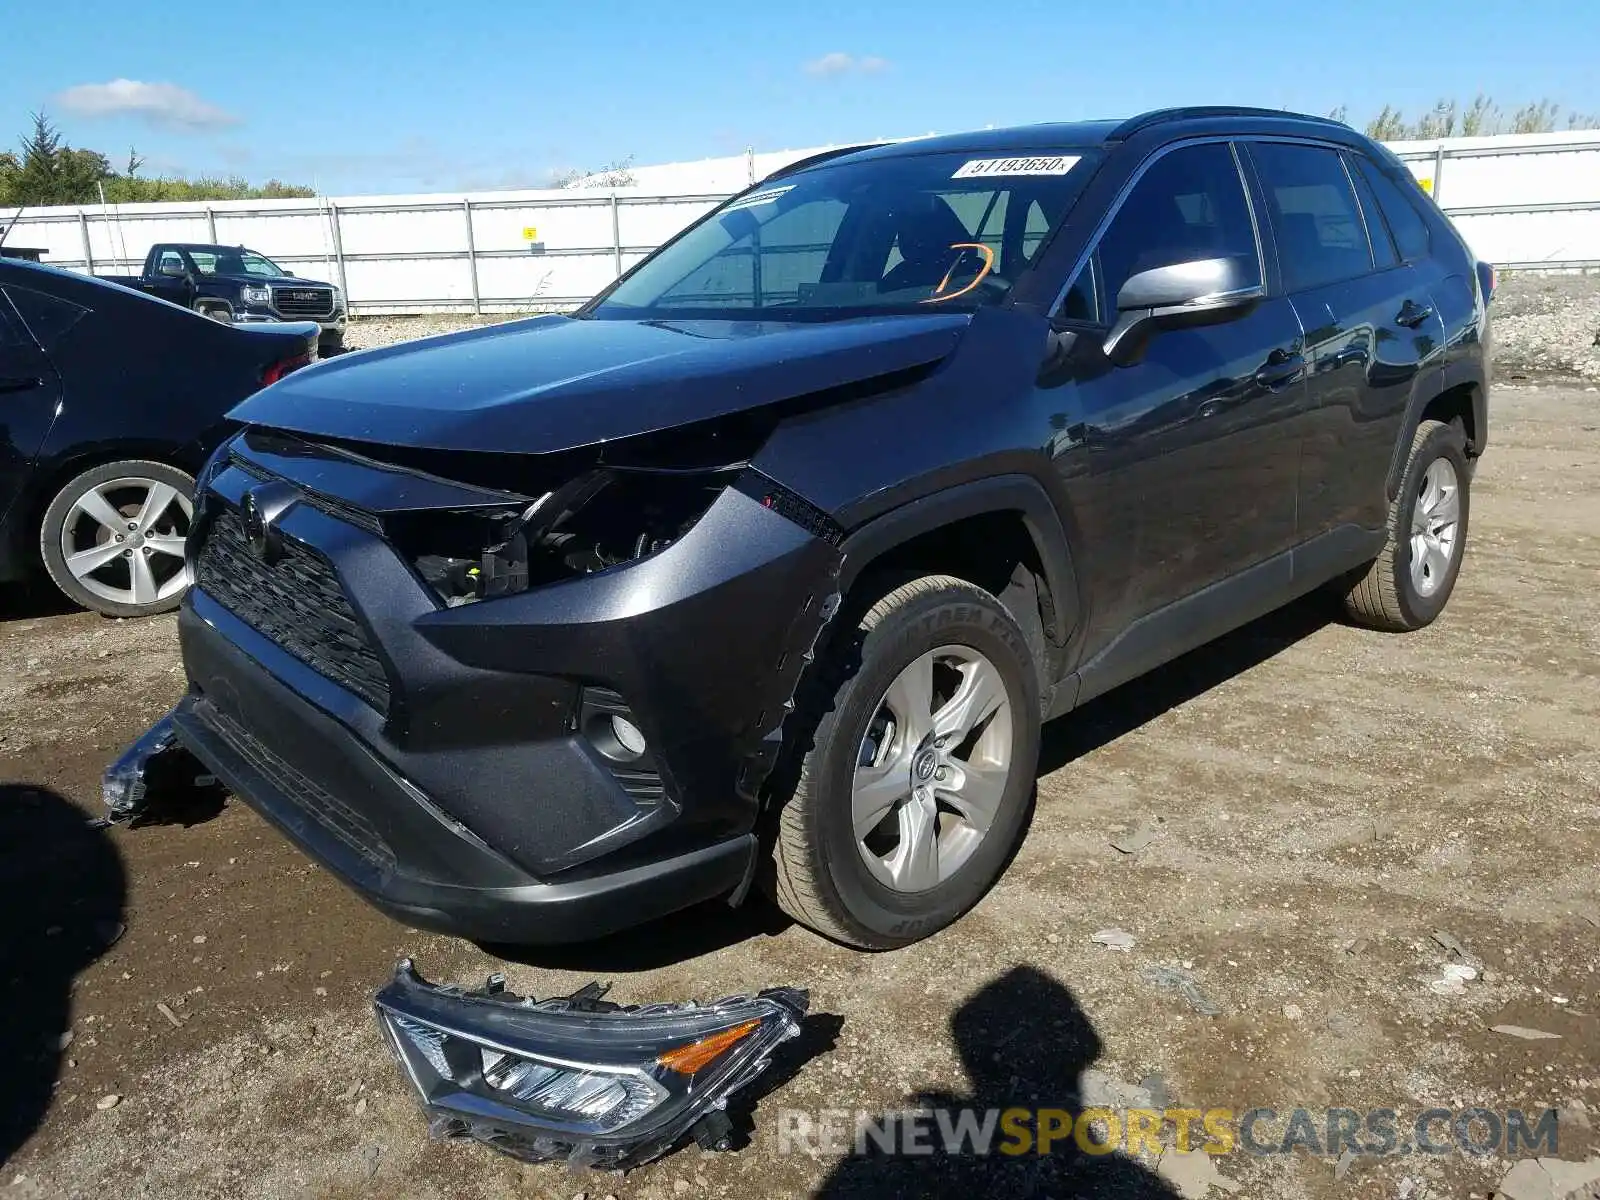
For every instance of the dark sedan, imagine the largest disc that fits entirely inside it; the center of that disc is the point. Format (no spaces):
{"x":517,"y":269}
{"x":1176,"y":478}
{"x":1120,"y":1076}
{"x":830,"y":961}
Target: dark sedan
{"x":110,"y":401}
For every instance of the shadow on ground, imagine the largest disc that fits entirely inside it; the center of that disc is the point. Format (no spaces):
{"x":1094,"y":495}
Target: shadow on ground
{"x":65,"y":887}
{"x":691,"y":933}
{"x":1025,"y":1043}
{"x":1122,"y":710}
{"x":31,"y":599}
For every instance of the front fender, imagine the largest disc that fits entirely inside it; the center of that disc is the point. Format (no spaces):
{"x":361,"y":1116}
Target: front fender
{"x":1003,"y":493}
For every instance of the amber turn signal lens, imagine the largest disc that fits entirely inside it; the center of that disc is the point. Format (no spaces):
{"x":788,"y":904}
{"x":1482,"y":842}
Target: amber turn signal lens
{"x":686,"y":1060}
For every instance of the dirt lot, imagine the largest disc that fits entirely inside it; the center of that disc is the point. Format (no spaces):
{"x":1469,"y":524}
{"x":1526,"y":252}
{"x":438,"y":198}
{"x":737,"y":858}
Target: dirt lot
{"x":1323,"y":798}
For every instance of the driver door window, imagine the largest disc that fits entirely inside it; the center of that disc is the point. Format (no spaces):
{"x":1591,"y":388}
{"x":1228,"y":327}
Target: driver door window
{"x":1190,"y":204}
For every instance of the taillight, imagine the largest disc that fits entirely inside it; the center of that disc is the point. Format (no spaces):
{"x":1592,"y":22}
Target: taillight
{"x":1487,"y":279}
{"x":279,"y":369}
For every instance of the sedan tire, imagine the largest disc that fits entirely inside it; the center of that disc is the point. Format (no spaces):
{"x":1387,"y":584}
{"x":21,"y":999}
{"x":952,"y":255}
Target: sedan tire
{"x":112,"y":539}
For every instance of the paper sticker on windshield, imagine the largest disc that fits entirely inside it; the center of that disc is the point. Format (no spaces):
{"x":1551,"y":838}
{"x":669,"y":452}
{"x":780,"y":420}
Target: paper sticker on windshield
{"x":765,"y":196}
{"x":1049,"y":164}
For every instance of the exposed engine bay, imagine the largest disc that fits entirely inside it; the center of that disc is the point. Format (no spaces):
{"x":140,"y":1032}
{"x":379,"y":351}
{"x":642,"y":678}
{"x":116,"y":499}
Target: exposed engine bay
{"x":601,"y":519}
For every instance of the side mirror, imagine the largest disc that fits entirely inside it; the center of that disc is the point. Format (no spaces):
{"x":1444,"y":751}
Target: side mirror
{"x":1178,"y":294}
{"x":172,"y":270}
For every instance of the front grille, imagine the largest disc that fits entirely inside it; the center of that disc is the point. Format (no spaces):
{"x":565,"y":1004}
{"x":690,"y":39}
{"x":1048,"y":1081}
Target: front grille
{"x":333,"y":814}
{"x":332,"y":505}
{"x":303,"y":302}
{"x":296,"y":601}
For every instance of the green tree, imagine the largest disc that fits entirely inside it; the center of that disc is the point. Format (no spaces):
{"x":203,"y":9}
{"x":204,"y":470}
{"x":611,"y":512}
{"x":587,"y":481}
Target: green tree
{"x":48,"y":171}
{"x":1538,"y":117}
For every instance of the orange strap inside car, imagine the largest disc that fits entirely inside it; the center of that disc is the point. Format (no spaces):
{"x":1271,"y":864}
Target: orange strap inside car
{"x":988,"y":265}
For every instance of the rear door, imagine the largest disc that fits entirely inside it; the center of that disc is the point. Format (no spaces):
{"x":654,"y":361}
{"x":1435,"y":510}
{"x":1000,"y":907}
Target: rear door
{"x":1369,"y":328}
{"x":1180,"y":468}
{"x":30,"y":390}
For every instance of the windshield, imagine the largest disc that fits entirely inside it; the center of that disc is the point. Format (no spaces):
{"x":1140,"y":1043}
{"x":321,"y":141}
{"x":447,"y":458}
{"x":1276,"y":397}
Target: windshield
{"x":916,"y":233}
{"x":223,"y":261}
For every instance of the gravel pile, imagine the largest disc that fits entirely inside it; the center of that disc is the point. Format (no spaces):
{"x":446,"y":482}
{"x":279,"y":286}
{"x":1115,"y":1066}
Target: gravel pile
{"x":1545,"y":327}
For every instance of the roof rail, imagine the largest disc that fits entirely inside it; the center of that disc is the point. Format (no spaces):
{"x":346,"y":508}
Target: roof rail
{"x":1162,"y":116}
{"x":813,"y":160}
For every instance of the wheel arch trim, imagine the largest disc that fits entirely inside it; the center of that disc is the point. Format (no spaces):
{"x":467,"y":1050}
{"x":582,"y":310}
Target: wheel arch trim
{"x":1017,"y":493}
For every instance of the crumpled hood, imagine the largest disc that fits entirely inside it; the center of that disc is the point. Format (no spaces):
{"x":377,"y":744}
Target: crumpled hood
{"x":556,"y":383}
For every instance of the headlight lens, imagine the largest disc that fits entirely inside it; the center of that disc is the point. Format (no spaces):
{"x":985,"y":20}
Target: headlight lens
{"x":591,"y":1082}
{"x":255,"y":295}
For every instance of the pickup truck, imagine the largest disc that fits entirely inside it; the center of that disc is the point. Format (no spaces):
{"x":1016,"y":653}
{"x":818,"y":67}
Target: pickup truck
{"x":233,"y":284}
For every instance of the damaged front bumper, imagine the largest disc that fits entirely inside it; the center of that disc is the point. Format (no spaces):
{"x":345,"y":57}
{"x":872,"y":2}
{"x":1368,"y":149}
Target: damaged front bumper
{"x":579,"y":1079}
{"x":543,"y":765}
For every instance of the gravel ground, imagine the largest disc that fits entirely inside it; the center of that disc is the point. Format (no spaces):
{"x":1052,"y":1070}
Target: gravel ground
{"x":1547,"y":325}
{"x":1323,"y":800}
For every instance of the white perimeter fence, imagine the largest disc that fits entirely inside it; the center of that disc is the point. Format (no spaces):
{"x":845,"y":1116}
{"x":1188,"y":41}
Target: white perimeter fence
{"x":1524,"y":202}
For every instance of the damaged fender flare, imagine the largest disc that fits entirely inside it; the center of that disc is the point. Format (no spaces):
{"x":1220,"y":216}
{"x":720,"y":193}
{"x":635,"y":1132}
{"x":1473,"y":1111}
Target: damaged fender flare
{"x":1002,"y":493}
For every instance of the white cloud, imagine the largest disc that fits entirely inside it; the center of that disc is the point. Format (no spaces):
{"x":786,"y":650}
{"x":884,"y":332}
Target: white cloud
{"x":162,"y":104}
{"x":838,"y":63}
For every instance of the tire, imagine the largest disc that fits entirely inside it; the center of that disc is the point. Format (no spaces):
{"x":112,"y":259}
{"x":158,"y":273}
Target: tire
{"x":1391,"y":595}
{"x":821,"y":874}
{"x":78,"y":538}
{"x":329,"y":345}
{"x":215,"y":312}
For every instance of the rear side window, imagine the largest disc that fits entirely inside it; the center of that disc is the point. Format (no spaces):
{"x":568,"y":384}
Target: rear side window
{"x":1190,"y":204}
{"x":48,"y":318}
{"x":1321,"y":238}
{"x":1399,"y":210}
{"x":1384,"y":254}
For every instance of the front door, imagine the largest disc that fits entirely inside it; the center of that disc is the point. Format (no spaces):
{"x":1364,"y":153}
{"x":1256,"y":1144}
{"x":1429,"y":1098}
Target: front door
{"x":1180,"y":467}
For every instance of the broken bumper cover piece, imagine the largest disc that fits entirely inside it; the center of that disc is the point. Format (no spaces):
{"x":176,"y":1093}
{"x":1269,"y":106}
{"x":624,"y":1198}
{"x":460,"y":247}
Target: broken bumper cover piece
{"x":156,"y":769}
{"x":578,"y":1079}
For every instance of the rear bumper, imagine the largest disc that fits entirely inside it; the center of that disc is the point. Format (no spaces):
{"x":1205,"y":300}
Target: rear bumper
{"x":351,"y":811}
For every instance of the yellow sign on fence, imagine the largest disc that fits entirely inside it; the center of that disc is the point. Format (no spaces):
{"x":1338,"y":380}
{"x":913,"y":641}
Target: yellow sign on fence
{"x":530,"y":233}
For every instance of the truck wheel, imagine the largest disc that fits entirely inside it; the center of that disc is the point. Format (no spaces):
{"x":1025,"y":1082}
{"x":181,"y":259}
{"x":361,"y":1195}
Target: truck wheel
{"x":912,"y":796}
{"x":216,"y":312}
{"x":112,"y":539}
{"x":1407,"y":585}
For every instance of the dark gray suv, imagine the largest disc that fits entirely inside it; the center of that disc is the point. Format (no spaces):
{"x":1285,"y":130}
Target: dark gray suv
{"x":765,"y":567}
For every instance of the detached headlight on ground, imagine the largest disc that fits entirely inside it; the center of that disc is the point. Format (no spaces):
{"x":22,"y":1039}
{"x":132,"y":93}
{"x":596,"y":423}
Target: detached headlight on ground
{"x":578,"y":1078}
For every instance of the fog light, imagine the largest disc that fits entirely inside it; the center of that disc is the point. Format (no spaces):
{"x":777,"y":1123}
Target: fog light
{"x":627,"y":735}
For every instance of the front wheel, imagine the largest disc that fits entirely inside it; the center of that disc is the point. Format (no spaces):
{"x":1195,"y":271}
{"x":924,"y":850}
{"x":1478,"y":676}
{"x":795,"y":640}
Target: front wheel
{"x":112,"y":539}
{"x":1408,"y":584}
{"x":913,"y":794}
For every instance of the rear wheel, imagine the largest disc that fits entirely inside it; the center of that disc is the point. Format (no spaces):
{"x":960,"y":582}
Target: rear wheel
{"x":1409,"y":583}
{"x":112,"y":539}
{"x":912,"y":796}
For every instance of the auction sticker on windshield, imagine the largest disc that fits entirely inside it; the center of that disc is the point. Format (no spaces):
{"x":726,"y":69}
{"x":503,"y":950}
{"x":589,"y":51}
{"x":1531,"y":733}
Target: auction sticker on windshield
{"x":1051,"y":164}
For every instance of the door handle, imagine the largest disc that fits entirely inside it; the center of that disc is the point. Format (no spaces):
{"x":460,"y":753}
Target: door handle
{"x":1280,"y":369}
{"x":1412,"y":314}
{"x":17,"y":383}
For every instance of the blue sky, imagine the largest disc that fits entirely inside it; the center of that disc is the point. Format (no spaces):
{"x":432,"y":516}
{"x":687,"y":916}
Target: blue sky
{"x":358,"y":95}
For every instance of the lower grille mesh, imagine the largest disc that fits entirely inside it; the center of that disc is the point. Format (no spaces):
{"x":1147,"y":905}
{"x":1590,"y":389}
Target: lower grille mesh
{"x":337,"y":817}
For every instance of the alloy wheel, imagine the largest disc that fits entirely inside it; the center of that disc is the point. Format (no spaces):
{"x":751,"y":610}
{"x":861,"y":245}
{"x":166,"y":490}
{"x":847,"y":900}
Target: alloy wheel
{"x":1435,"y":526}
{"x":932,"y":768}
{"x":122,"y":540}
